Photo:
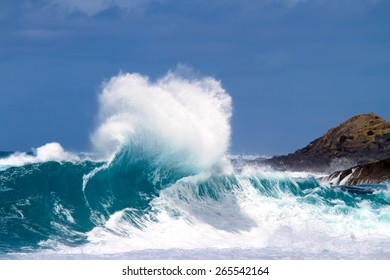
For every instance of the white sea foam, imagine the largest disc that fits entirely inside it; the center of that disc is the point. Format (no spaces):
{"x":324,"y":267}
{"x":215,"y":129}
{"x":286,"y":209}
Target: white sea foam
{"x":243,"y":218}
{"x":179,"y":119}
{"x":49,"y":152}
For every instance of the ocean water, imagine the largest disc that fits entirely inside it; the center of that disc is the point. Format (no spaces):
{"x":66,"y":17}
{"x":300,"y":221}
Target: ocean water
{"x":160,"y":184}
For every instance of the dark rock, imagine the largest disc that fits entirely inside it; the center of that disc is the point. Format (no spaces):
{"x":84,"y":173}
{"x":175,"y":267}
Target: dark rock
{"x":361,"y":139}
{"x":343,"y":139}
{"x":377,"y":172}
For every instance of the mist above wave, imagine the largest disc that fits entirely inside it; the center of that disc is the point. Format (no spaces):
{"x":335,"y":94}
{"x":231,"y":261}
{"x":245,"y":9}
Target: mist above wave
{"x":178,"y":120}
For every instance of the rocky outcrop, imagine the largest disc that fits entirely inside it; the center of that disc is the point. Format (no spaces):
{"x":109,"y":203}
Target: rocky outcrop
{"x":372,"y":173}
{"x":359,"y":140}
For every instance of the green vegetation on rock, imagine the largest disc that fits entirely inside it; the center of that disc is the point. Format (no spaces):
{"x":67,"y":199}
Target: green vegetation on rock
{"x":359,"y":140}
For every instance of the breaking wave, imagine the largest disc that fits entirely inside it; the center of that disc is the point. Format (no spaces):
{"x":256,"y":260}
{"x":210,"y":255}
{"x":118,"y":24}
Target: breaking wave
{"x":161,"y":179}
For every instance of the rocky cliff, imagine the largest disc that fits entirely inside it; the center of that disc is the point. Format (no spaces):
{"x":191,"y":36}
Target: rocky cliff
{"x":359,"y":140}
{"x":372,"y":173}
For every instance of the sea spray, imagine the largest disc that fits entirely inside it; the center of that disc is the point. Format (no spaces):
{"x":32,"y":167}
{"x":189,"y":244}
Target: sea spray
{"x":48,"y":152}
{"x":153,"y":134}
{"x":180,"y":122}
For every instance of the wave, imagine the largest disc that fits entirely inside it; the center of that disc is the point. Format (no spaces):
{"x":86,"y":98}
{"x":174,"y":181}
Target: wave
{"x":48,"y":152}
{"x":180,"y":122}
{"x":44,"y":209}
{"x":160,"y":178}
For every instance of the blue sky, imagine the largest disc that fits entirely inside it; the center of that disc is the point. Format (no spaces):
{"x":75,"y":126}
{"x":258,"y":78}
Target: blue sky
{"x":294,"y":68}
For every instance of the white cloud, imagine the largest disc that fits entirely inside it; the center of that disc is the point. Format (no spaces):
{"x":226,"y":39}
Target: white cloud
{"x":93,"y":7}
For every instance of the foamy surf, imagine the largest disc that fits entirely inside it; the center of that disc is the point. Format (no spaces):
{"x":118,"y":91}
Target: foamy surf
{"x":48,"y":152}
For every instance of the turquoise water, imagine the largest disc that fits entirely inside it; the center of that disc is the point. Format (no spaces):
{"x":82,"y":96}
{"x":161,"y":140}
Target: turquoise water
{"x":132,"y":204}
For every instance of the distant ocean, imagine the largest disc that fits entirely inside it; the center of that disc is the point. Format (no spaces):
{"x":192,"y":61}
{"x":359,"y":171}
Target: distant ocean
{"x":160,"y":185}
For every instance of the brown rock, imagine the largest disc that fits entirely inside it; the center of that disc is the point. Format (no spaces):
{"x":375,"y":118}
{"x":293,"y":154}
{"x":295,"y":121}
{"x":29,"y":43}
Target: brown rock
{"x":360,"y":139}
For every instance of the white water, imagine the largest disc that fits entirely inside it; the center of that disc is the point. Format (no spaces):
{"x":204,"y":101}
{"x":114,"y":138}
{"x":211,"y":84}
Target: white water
{"x":242,"y":222}
{"x":48,"y":152}
{"x":184,"y":121}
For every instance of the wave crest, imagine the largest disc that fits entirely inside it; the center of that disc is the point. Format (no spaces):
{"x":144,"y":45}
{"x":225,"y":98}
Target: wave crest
{"x":175,"y":120}
{"x":48,"y":152}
